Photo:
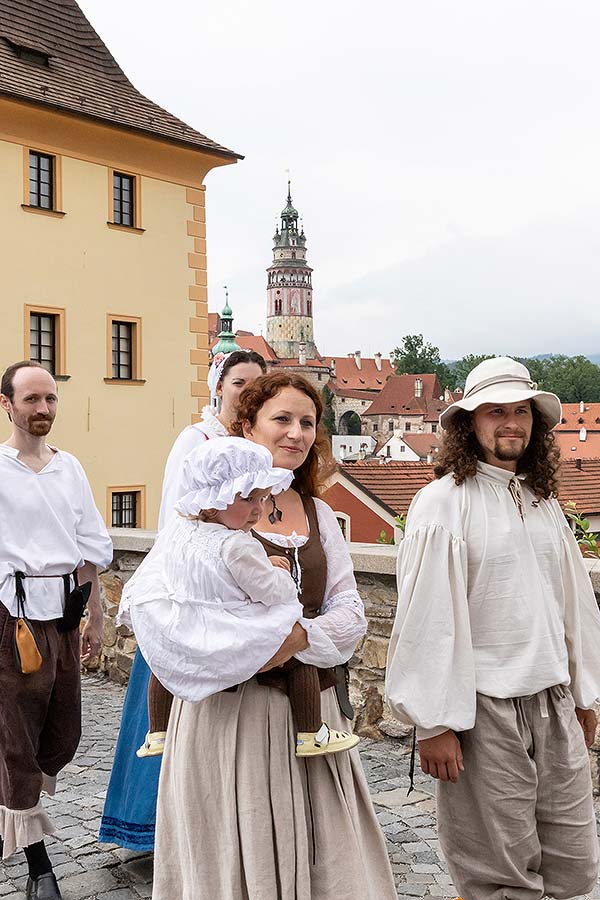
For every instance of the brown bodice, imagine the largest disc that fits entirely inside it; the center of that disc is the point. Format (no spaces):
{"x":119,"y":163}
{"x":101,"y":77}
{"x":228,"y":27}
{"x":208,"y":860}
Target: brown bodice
{"x":312,"y":559}
{"x":313,"y":575}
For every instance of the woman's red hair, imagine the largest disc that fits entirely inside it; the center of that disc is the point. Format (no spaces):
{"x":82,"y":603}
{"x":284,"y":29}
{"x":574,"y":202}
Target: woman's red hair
{"x":311,"y":476}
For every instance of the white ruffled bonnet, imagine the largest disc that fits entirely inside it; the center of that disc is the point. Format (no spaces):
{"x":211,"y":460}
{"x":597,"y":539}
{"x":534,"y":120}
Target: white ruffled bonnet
{"x":214,"y":376}
{"x":217,"y":471}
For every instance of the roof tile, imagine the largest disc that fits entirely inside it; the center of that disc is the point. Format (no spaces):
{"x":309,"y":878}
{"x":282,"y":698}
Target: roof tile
{"x":81,"y":75}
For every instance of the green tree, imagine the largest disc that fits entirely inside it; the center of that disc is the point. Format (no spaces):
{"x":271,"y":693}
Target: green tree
{"x":462,"y":367}
{"x":328,"y":418}
{"x":415,"y":357}
{"x":572,"y":378}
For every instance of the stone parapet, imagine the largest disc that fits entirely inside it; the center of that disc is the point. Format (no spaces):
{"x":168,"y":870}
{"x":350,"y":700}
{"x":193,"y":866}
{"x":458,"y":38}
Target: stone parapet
{"x":374,"y":567}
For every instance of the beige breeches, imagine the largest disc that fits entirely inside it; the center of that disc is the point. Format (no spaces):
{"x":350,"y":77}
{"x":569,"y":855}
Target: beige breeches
{"x":520,"y":824}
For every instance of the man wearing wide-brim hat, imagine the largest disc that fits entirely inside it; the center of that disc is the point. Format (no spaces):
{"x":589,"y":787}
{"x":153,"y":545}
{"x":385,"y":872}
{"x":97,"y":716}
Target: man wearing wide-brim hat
{"x":494,"y":654}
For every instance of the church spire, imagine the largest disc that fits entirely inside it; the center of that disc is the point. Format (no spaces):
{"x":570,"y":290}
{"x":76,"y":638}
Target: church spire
{"x":227,"y":342}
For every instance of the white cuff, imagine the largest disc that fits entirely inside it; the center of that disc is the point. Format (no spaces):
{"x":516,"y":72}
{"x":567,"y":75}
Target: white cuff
{"x":321,"y":650}
{"x":424,"y":734}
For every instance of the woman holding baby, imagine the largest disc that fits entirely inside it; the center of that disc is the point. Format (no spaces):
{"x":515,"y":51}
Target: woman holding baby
{"x":240,"y":814}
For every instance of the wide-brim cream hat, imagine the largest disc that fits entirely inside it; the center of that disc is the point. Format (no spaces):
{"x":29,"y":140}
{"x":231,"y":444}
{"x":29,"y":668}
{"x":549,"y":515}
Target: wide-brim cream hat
{"x":217,"y":471}
{"x":503,"y":380}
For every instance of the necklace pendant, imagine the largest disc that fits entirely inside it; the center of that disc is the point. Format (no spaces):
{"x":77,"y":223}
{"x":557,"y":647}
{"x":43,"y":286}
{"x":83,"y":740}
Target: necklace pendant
{"x":275,"y":515}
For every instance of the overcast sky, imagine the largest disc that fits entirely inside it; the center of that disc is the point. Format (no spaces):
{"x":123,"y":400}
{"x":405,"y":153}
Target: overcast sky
{"x":444,"y":156}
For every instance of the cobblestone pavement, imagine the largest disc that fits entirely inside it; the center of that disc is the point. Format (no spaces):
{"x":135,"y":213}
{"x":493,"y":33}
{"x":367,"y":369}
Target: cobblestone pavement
{"x":91,"y":871}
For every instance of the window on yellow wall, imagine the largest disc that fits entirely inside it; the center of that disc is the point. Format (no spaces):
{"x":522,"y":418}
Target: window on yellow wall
{"x":45,"y":338}
{"x":41,"y":180}
{"x":124,"y":349}
{"x":127,"y":506}
{"x":123,"y":199}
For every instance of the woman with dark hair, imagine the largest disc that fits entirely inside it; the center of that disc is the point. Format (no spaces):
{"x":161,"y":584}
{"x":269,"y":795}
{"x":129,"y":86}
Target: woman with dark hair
{"x":130,"y":809}
{"x":239,"y":814}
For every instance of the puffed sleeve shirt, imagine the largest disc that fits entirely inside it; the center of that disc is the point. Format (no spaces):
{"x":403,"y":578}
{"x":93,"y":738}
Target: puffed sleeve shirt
{"x":493,"y":597}
{"x":49,"y":525}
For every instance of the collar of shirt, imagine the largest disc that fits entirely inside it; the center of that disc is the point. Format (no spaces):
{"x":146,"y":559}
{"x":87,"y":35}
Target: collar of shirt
{"x":54,"y":464}
{"x":498,"y":475}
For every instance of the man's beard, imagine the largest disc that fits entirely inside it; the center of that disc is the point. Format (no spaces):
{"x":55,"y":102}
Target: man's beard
{"x":510,"y":453}
{"x":34,"y":425}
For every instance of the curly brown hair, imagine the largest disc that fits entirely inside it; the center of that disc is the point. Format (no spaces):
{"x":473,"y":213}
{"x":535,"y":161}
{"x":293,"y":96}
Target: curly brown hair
{"x":310,"y":477}
{"x":460,"y":451}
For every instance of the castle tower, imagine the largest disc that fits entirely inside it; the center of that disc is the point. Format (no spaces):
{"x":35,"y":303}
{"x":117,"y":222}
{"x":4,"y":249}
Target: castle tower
{"x":289,"y":290}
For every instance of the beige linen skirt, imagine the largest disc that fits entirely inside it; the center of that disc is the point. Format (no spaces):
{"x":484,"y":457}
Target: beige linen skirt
{"x":241,"y":818}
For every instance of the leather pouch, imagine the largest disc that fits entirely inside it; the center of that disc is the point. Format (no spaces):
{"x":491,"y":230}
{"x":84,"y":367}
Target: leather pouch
{"x":75,"y":605}
{"x":28,"y":658}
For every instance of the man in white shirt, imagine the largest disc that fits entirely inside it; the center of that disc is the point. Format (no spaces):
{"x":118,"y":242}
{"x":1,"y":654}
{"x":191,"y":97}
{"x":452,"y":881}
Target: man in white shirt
{"x":494,"y":652}
{"x":52,"y":536}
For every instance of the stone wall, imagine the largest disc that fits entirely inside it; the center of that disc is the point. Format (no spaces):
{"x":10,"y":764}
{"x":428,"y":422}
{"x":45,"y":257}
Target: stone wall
{"x":374,"y":566}
{"x":119,"y":644}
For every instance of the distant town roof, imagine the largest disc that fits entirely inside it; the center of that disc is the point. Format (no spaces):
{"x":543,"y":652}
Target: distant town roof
{"x":257,"y":343}
{"x":398,"y":397}
{"x":572,"y":447}
{"x":394,"y":484}
{"x":50,"y":55}
{"x":580,"y":483}
{"x":367,"y":377}
{"x":350,"y":394}
{"x":420,"y":443}
{"x":574,"y":418}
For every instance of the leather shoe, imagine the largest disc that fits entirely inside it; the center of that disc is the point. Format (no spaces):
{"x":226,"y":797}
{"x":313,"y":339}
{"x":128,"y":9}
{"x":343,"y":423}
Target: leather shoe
{"x":43,"y":888}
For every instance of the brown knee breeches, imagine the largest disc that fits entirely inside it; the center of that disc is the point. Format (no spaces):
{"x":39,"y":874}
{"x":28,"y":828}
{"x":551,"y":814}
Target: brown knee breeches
{"x":40,"y":714}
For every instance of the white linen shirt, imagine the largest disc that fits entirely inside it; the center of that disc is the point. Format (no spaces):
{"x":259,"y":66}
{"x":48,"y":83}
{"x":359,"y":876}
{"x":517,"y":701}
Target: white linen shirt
{"x":488,"y":602}
{"x":185,"y":442}
{"x":49,"y":525}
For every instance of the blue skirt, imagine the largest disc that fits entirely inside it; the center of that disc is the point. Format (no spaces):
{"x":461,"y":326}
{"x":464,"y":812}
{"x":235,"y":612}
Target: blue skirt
{"x":130,"y":809}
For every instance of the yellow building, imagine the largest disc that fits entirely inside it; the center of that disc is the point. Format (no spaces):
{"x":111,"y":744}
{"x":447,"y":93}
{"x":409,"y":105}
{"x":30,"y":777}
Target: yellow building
{"x":102,"y":250}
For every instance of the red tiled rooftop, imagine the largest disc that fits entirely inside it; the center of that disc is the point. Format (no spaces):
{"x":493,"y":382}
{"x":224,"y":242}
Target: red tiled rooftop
{"x":421,"y":443}
{"x":395,"y":483}
{"x":581,"y":485}
{"x":572,"y":448}
{"x":398,"y":397}
{"x":350,"y":394}
{"x":368,"y":378}
{"x":250,"y":342}
{"x":575,"y":419}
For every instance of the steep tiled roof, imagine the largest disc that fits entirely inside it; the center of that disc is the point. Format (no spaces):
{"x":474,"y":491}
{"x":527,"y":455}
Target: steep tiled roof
{"x":572,"y":448}
{"x":394,"y":484}
{"x":574,"y":419}
{"x":249,"y":341}
{"x":354,"y":395}
{"x":421,"y":443}
{"x":398,"y":397}
{"x":581,"y":485}
{"x":72,"y":70}
{"x":367,"y":378}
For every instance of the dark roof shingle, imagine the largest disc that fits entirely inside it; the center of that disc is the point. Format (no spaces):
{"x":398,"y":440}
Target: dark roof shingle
{"x":81,"y":76}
